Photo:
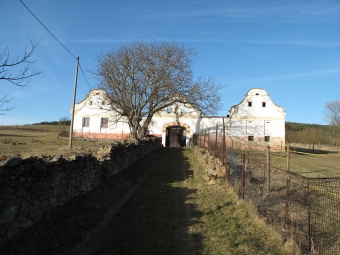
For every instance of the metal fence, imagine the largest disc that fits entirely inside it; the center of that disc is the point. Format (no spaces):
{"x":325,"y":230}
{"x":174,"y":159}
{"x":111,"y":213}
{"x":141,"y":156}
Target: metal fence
{"x":304,"y":209}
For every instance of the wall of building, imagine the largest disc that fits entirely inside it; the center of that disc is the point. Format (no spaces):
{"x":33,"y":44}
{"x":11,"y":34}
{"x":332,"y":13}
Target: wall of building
{"x":29,"y":187}
{"x":256,"y":116}
{"x":118,"y":130}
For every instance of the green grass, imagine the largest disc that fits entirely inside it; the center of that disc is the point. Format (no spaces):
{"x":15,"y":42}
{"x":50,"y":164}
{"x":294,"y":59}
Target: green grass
{"x":320,"y":163}
{"x":37,"y":140}
{"x":308,"y":164}
{"x":175,"y":211}
{"x":229,"y":226}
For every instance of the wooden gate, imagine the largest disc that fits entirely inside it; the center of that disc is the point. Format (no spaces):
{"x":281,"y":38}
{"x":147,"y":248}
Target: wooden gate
{"x":175,"y":136}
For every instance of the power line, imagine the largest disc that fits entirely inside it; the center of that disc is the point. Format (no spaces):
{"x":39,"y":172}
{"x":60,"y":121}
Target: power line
{"x":85,"y":76}
{"x":56,"y":40}
{"x":48,"y":30}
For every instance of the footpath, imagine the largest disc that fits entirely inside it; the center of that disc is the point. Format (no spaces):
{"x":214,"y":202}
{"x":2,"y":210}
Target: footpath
{"x":160,"y":205}
{"x":155,"y":219}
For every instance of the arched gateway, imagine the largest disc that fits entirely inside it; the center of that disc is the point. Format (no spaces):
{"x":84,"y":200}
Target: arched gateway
{"x":175,"y":134}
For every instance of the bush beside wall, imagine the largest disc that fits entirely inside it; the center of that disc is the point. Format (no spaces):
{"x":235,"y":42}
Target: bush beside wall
{"x":29,"y":187}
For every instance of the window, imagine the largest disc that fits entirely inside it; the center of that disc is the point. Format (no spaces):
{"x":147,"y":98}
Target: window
{"x":267,"y":138}
{"x":90,"y":103}
{"x":249,"y":104}
{"x":105,"y":123}
{"x":86,"y":122}
{"x":182,"y":111}
{"x":169,"y":110}
{"x":103,"y":102}
{"x":263,"y":104}
{"x":251,"y":138}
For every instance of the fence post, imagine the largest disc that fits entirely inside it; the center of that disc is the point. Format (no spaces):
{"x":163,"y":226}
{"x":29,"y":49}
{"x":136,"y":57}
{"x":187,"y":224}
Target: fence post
{"x":268,"y":169}
{"x":309,"y":218}
{"x":216,"y":140}
{"x":225,"y":158}
{"x":243,"y":178}
{"x":199,"y":139}
{"x":287,"y":194}
{"x":205,"y":134}
{"x":209,"y":141}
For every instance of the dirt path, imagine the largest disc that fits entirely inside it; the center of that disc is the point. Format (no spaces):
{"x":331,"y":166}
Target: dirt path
{"x":141,"y":210}
{"x":160,"y":205}
{"x":155,"y":219}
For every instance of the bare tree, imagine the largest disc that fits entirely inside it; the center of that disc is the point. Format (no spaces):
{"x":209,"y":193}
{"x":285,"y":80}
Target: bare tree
{"x":65,"y":121}
{"x":143,"y":78}
{"x":13,"y":72}
{"x":5,"y":100}
{"x":332,"y":112}
{"x":332,"y":116}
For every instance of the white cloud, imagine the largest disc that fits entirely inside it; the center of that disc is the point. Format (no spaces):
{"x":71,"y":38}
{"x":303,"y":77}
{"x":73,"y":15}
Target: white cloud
{"x":289,"y":42}
{"x":250,"y":41}
{"x":309,"y":74}
{"x":13,"y":121}
{"x":18,"y":94}
{"x":248,"y":10}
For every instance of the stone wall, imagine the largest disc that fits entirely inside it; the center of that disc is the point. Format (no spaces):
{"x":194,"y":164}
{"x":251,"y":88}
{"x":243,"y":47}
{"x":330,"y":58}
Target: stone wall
{"x":31,"y":186}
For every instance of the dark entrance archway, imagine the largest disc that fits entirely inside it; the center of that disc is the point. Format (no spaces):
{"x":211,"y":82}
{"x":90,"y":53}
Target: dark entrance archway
{"x":175,"y":136}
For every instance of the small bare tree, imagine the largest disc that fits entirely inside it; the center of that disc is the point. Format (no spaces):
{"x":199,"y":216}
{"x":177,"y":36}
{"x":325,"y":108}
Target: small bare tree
{"x":143,"y":78}
{"x":332,"y":116}
{"x":9,"y":70}
{"x":332,"y":112}
{"x":65,"y":121}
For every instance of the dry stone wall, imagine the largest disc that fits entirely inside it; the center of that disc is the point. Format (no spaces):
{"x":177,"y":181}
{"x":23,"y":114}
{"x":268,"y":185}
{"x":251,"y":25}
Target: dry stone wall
{"x":29,"y":187}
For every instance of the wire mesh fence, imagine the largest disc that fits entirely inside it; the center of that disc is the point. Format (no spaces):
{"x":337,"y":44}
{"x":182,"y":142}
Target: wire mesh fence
{"x":325,"y":214}
{"x":303,"y":208}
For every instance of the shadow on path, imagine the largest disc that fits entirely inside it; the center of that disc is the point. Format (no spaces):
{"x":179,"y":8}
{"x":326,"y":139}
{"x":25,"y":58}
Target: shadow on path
{"x":143,"y":209}
{"x":157,"y":217}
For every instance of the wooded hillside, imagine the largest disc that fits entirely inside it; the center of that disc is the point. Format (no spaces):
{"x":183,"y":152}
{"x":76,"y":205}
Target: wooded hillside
{"x":312,"y":133}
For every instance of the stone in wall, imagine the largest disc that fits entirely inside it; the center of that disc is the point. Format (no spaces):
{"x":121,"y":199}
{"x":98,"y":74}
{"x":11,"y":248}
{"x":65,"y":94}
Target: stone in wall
{"x":30,"y":187}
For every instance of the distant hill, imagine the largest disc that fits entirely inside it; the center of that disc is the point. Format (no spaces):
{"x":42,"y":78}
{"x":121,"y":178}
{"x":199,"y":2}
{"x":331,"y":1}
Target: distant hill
{"x":295,"y":126}
{"x":59,"y":122}
{"x":312,"y":133}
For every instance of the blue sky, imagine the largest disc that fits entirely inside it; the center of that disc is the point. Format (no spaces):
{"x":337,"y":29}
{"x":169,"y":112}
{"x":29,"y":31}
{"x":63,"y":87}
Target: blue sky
{"x":289,"y":48}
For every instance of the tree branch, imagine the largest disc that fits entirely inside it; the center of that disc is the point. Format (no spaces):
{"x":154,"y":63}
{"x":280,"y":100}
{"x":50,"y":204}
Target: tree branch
{"x":6,"y":66}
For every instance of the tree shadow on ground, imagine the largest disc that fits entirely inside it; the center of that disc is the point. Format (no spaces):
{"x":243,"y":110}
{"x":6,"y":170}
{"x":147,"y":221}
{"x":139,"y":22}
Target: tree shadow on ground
{"x":144,"y":209}
{"x":302,"y":151}
{"x":157,"y":218}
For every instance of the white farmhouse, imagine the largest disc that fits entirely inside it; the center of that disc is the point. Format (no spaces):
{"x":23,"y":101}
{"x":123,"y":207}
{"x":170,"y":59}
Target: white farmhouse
{"x":256,"y":120}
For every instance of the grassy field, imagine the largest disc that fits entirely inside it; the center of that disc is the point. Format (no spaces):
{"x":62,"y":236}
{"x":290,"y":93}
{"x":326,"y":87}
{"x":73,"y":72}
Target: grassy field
{"x":174,"y":210}
{"x":229,"y":225}
{"x":309,"y":164}
{"x":37,"y":140}
{"x":308,"y":208}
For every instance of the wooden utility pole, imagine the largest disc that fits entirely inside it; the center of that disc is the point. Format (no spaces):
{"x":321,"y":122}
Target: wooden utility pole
{"x":216,"y":140}
{"x":268,"y":169}
{"x":224,"y":151}
{"x":74,"y":102}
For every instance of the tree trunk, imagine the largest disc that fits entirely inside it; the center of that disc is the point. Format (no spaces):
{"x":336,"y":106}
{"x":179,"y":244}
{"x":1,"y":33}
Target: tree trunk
{"x":133,"y":130}
{"x":144,"y":129}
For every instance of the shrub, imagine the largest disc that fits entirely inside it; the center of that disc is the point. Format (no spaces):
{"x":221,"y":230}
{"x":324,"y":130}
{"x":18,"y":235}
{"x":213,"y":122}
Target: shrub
{"x":64,"y":133}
